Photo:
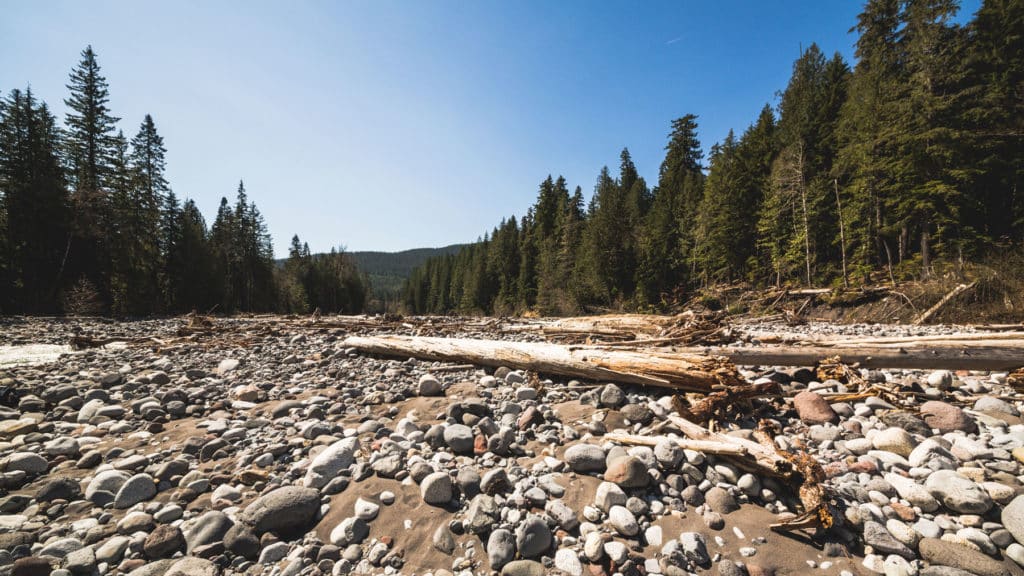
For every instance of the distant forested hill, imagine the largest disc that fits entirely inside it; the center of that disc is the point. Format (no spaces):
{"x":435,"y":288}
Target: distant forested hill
{"x":387,"y":271}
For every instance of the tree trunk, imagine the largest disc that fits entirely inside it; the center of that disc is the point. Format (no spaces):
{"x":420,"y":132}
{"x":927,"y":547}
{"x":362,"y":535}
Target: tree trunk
{"x":694,"y":373}
{"x":926,"y":257}
{"x":842,"y":233}
{"x":967,"y":356}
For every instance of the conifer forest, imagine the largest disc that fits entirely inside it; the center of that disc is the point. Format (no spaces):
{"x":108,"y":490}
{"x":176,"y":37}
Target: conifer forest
{"x":906,"y":162}
{"x":90,"y":225}
{"x":903,"y":163}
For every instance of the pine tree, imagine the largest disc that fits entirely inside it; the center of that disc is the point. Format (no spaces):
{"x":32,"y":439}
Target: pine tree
{"x":34,"y":206}
{"x":90,"y":149}
{"x":666,"y":236}
{"x":866,"y":136}
{"x":927,"y":144}
{"x":195,"y":278}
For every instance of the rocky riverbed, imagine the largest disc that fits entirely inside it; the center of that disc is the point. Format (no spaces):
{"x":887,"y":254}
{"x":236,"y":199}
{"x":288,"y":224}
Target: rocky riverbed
{"x":280,"y":451}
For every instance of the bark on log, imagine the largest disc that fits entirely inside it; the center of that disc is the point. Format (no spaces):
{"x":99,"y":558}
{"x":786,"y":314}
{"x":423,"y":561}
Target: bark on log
{"x":693,"y":373}
{"x":947,"y":357}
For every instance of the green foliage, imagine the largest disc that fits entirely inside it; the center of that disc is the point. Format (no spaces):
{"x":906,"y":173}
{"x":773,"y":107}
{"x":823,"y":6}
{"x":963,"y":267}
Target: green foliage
{"x":916,"y":154}
{"x":330,"y":282}
{"x":89,"y":224}
{"x":34,"y":206}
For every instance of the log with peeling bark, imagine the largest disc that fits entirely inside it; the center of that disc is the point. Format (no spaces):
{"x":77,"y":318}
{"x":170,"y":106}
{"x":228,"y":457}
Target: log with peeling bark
{"x":939,"y":357}
{"x":632,"y":325}
{"x":1009,"y":337}
{"x":692,"y":373}
{"x":638,"y":329}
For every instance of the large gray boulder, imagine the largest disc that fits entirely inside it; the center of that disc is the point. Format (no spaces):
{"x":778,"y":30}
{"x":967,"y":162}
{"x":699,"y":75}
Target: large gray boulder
{"x":287,"y":512}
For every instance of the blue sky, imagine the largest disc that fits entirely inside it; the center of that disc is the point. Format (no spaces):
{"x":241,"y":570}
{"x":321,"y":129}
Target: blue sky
{"x":387,"y":125}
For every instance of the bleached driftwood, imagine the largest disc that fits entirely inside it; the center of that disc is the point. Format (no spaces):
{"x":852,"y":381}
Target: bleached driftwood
{"x":705,"y":446}
{"x":945,"y":355}
{"x":700,"y":373}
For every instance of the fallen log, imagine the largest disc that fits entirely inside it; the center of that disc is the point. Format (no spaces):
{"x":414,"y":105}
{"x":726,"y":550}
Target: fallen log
{"x":758,"y":458}
{"x":960,"y":289}
{"x":706,"y":446}
{"x":945,"y":357}
{"x":679,"y":371}
{"x":1014,"y":337}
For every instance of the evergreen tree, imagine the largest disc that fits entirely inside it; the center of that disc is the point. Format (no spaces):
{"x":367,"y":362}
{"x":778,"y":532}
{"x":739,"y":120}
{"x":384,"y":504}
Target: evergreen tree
{"x":90,"y":141}
{"x":195,"y":280}
{"x":866,"y":135}
{"x":932,"y":202}
{"x":666,"y":235}
{"x":994,"y":118}
{"x":34,"y":206}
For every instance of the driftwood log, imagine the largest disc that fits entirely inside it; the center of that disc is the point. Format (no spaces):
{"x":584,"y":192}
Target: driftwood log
{"x":939,"y":357}
{"x":679,"y":371}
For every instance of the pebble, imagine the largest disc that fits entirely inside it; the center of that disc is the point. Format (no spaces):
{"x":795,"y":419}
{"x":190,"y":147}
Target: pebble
{"x":436,"y":488}
{"x":296,"y":420}
{"x":533,"y":537}
{"x":813,"y":408}
{"x":958,"y":493}
{"x":623,"y":521}
{"x":584,"y":458}
{"x":953,"y":555}
{"x":567,"y":561}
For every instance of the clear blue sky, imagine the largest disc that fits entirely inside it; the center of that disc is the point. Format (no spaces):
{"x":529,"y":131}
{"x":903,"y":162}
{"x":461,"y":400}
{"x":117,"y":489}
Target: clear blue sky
{"x":386,"y":125}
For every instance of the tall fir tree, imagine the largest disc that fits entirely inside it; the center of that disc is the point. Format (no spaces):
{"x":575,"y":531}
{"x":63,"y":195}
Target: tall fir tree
{"x":34,"y":206}
{"x":90,"y":148}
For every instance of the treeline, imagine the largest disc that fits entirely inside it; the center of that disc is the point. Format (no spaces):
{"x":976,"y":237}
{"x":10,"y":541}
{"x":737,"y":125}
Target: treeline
{"x":913,"y":157}
{"x":90,"y":224}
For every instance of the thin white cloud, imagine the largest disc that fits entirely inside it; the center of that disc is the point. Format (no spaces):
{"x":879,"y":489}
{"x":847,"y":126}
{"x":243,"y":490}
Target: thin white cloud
{"x":674,"y":40}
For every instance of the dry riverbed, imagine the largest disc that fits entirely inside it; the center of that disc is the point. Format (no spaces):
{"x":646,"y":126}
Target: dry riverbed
{"x":270,"y":449}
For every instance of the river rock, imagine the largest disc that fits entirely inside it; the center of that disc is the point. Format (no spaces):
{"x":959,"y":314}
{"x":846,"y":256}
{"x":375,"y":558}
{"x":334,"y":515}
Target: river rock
{"x":944,"y":553}
{"x":332,"y":460}
{"x":958,"y":493}
{"x":288,"y":511}
{"x":946,"y":417}
{"x":813,"y":408}
{"x":533,"y":537}
{"x":501,"y":548}
{"x":1012,"y":518}
{"x":584,"y":458}
{"x":436,"y":488}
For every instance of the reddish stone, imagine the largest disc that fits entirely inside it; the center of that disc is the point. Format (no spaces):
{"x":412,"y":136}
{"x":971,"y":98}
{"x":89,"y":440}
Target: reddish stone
{"x":946,"y":417}
{"x":479,"y":444}
{"x":529,"y":417}
{"x":813,"y":408}
{"x":904,"y":513}
{"x":833,"y":469}
{"x":628,"y":472}
{"x":851,"y":426}
{"x":863,"y":466}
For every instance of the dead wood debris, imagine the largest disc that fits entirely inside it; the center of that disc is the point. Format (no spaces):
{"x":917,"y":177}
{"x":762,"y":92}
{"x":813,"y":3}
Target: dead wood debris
{"x":722,"y":404}
{"x":689,"y":328}
{"x":820,"y":508}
